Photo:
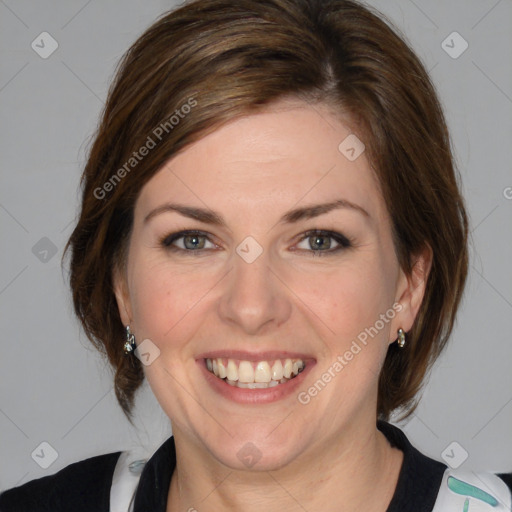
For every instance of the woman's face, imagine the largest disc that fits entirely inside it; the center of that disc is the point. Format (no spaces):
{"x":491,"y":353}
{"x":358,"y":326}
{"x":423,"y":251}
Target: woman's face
{"x":253,"y":295}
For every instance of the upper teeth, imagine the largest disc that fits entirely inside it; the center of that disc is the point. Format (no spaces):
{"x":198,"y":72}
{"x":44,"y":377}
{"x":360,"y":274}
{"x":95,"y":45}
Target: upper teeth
{"x":248,"y":372}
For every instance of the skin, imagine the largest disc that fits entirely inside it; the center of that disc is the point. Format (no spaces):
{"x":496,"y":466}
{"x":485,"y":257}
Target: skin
{"x":251,"y":171}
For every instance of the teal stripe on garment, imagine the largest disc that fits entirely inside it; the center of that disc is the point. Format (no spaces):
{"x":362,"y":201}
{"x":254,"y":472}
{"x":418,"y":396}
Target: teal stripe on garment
{"x":460,"y":487}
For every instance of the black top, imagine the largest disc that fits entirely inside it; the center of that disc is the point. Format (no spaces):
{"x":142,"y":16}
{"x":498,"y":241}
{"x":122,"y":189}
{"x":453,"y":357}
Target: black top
{"x":85,"y":486}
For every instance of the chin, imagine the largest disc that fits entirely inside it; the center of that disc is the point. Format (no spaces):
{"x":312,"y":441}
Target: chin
{"x":255,"y":450}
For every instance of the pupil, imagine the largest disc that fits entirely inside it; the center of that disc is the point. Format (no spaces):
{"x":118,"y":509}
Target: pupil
{"x":194,"y":241}
{"x":320,"y":245}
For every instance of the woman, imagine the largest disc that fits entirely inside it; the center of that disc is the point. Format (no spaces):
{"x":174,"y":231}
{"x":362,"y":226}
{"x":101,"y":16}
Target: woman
{"x":272,"y":234}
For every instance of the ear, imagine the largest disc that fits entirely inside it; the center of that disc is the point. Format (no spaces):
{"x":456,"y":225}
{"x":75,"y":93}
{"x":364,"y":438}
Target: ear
{"x":411,"y":290}
{"x":120,"y":284}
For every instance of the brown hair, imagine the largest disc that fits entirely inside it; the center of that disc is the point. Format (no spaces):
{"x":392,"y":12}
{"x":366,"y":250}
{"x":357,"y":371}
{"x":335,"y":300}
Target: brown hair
{"x":211,"y":61}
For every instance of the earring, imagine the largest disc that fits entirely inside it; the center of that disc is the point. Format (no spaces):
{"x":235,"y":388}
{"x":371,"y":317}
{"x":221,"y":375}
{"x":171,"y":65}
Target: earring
{"x":129,"y":345}
{"x":401,"y":338}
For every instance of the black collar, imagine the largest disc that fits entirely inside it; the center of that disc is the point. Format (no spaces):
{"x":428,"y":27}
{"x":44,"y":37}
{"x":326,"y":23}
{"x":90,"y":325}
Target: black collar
{"x":420,"y":476}
{"x":416,"y":491}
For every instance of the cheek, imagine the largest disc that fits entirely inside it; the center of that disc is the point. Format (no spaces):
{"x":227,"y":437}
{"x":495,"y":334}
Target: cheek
{"x":349,"y":299}
{"x":170,"y":303}
{"x":359,"y":339}
{"x":350,"y":302}
{"x":162,"y":297}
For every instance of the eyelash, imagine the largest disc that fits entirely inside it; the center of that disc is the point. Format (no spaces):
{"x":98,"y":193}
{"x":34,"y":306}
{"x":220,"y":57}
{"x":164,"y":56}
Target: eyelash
{"x":343,"y":241}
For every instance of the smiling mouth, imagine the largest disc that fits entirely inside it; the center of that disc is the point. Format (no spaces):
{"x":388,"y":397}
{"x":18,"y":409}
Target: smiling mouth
{"x":255,"y":375}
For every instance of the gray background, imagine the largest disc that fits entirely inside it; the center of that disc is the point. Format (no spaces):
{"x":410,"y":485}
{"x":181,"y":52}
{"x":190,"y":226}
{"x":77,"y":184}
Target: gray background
{"x":56,"y":389}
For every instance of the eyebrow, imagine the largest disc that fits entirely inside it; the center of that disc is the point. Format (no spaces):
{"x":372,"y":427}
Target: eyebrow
{"x":211,"y":217}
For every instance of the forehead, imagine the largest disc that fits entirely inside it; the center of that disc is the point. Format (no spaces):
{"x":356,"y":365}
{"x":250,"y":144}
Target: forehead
{"x":270,"y":161}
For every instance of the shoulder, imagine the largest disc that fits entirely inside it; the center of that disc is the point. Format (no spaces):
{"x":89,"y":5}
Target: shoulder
{"x":426,"y":484}
{"x":420,"y":476}
{"x":81,"y":486}
{"x":507,"y":478}
{"x":486,"y":490}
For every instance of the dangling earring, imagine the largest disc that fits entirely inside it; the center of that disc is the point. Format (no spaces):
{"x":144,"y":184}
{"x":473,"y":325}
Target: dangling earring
{"x":129,"y":345}
{"x":401,"y":338}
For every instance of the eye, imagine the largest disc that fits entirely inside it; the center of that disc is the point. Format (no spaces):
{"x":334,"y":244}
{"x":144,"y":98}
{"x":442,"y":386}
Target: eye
{"x":320,"y":243}
{"x":187,"y":241}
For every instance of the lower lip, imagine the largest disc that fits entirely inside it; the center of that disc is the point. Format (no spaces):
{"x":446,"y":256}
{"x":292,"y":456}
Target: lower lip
{"x":258,"y":395}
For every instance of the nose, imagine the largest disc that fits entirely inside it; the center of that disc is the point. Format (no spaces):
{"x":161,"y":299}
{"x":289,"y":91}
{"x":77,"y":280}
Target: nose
{"x":254,"y":300}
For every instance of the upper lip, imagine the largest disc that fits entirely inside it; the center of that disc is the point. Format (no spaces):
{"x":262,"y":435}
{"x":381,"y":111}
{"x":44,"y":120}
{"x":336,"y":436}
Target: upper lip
{"x":268,"y":355}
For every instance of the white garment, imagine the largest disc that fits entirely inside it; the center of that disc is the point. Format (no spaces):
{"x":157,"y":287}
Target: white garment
{"x":126,"y":478}
{"x":469,"y":491}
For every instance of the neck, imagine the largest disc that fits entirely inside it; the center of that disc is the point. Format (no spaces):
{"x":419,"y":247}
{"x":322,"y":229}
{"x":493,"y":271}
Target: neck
{"x":354,"y":471}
